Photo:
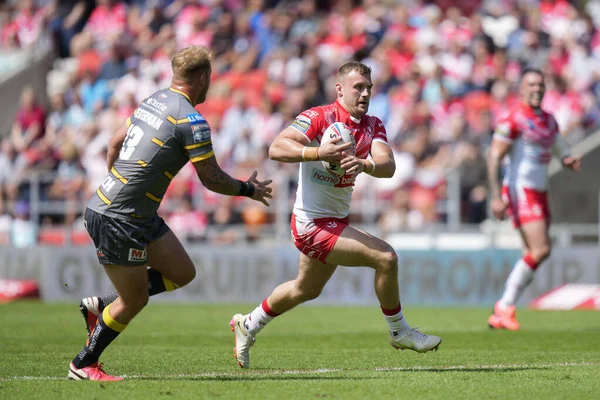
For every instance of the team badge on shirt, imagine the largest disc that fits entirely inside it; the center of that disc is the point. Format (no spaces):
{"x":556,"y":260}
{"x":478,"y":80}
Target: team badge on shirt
{"x":302,"y":123}
{"x":200,"y":128}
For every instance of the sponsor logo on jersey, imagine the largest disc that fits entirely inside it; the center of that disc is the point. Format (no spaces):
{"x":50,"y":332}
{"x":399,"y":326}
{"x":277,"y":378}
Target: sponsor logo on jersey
{"x":324,"y":178}
{"x":137,"y":255}
{"x":302,"y":123}
{"x":157,"y":105}
{"x":201,"y":133}
{"x":195,"y":119}
{"x":328,"y":179}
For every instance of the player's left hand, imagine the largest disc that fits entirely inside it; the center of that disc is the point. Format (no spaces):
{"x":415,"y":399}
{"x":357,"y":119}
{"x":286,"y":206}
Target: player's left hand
{"x":572,"y":162}
{"x":262,"y":190}
{"x":352,"y":164}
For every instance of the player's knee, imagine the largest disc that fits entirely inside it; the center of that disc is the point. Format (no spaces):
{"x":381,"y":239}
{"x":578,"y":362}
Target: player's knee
{"x":542,"y":252}
{"x":388,"y":260}
{"x":187,"y":276}
{"x":308,"y":293}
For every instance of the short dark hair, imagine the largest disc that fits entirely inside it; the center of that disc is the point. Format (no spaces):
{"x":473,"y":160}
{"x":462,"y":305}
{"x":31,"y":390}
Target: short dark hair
{"x":534,"y":70}
{"x":350,"y":66}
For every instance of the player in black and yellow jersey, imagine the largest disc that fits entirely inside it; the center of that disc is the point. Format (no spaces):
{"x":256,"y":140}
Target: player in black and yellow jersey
{"x":140,"y":254}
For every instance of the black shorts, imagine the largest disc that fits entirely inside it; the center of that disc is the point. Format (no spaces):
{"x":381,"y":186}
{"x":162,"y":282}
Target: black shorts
{"x":121,"y":242}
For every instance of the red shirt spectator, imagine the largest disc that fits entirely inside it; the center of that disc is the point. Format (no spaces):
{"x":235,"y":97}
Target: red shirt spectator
{"x":28,"y":127}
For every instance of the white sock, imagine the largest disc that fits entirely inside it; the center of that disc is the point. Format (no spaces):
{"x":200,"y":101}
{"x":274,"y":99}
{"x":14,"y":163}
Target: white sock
{"x":396,"y":322}
{"x":520,"y":277}
{"x":257,"y":320}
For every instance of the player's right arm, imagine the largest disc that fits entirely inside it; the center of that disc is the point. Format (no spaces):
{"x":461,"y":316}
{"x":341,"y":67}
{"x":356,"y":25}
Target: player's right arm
{"x":292,"y":144}
{"x":115,"y":143}
{"x":502,"y":141}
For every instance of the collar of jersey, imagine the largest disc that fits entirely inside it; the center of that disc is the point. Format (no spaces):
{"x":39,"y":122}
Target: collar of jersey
{"x":181,"y":93}
{"x":346,"y":114}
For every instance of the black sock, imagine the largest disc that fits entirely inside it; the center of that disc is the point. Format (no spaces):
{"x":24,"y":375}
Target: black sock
{"x":105,"y":331}
{"x":156,"y":284}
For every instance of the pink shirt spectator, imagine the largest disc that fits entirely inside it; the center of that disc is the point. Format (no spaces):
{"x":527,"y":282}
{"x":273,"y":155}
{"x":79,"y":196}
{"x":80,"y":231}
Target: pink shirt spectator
{"x":108,"y":20}
{"x":185,"y":26}
{"x":28,"y":25}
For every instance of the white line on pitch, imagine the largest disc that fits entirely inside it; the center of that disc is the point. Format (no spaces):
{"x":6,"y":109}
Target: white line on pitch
{"x":417,"y":368}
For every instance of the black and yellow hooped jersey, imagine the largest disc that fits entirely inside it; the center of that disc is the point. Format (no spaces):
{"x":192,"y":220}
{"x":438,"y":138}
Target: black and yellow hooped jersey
{"x":164,"y":133}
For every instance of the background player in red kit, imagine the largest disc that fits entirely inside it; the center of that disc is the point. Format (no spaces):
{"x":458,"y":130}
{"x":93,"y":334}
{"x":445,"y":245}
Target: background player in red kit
{"x":320,"y":218}
{"x":530,"y":136}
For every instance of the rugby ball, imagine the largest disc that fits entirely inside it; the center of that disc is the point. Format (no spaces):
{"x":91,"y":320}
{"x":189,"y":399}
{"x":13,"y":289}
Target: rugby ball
{"x":335,"y":130}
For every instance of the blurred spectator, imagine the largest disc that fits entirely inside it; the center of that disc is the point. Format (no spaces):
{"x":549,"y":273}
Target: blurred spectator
{"x":225,"y":221}
{"x":7,"y":175}
{"x":188,"y":223}
{"x":23,"y":229}
{"x":254,"y":218}
{"x":443,"y":72}
{"x":473,"y":183}
{"x":69,"y":181}
{"x":399,"y":216}
{"x":28,"y":22}
{"x":27,"y":133}
{"x":67,"y":18}
{"x":107,"y":23}
{"x":95,"y":92}
{"x":114,"y":66}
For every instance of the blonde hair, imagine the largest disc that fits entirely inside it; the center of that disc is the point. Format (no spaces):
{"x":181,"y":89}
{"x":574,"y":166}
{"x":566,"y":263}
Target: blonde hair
{"x":189,"y":62}
{"x":348,"y":67}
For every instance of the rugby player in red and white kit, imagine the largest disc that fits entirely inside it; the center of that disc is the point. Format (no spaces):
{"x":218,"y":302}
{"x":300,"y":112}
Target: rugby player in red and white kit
{"x":319,"y":223}
{"x":530,"y":137}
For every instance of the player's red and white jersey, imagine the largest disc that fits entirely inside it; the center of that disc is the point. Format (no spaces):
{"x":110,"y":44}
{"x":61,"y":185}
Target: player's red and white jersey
{"x":322,"y":193}
{"x":532,"y":133}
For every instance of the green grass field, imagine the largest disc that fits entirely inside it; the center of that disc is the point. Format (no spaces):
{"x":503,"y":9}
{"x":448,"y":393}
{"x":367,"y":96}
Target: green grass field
{"x":185,"y":351}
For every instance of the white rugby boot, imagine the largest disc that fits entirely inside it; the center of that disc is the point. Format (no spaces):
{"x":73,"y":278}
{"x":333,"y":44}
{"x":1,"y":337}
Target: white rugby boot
{"x":242,"y":340}
{"x":413,"y":339}
{"x":90,"y":308}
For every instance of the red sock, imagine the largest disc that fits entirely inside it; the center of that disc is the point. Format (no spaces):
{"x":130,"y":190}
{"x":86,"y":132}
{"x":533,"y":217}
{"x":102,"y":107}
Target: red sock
{"x":392,"y":311}
{"x":530,"y":261}
{"x":267,"y":309}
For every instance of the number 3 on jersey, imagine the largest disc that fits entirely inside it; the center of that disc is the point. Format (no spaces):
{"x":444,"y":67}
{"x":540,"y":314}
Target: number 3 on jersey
{"x":134,"y":135}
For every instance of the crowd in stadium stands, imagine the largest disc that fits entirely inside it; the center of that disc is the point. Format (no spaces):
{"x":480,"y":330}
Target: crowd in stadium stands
{"x":441,"y":74}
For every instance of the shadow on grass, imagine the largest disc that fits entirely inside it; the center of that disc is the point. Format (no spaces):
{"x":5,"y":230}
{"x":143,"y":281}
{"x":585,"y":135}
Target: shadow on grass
{"x":260,"y":378}
{"x":275,"y":376}
{"x":474,"y":369}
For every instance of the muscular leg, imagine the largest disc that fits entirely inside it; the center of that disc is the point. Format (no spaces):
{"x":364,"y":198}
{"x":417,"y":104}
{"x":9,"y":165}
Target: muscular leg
{"x":353,"y":248}
{"x":170,"y":268}
{"x":358,"y":248}
{"x":308,"y":285}
{"x":132,"y":287}
{"x":167,"y":256}
{"x":537,"y":240}
{"x":536,"y":248}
